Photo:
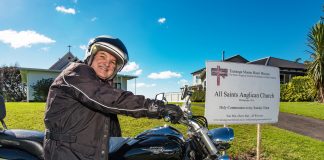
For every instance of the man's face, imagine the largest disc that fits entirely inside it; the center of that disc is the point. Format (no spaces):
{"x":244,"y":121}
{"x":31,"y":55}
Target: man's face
{"x":104,"y":64}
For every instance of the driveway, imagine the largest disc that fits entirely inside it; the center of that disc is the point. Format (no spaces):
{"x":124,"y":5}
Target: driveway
{"x":303,"y":125}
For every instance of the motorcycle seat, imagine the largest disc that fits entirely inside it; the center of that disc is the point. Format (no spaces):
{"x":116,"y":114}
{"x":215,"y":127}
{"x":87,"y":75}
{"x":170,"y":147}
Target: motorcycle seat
{"x":27,"y":140}
{"x":116,"y":142}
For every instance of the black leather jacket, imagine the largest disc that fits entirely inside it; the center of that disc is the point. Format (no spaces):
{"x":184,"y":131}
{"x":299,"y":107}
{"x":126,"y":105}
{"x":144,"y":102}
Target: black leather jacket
{"x":80,"y":114}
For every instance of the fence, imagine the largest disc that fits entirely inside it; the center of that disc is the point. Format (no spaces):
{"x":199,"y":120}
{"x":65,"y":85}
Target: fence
{"x":173,"y":97}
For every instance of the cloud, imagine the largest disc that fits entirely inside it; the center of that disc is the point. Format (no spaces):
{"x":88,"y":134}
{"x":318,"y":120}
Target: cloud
{"x":164,"y":75}
{"x":138,"y":72}
{"x":83,"y":47}
{"x":183,"y":82}
{"x":162,"y":20}
{"x":65,"y":10}
{"x":45,"y":49}
{"x":23,"y":38}
{"x":131,"y":66}
{"x":94,"y":19}
{"x":143,"y":85}
{"x":75,"y":1}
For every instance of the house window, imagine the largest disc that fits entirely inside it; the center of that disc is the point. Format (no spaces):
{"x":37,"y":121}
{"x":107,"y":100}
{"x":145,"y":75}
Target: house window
{"x":117,"y":85}
{"x":282,"y":78}
{"x":197,"y":80}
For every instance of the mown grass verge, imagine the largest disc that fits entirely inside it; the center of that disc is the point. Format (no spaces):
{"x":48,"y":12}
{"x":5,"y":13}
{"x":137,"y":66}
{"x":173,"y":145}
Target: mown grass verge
{"x":277,"y":144}
{"x":308,"y":109}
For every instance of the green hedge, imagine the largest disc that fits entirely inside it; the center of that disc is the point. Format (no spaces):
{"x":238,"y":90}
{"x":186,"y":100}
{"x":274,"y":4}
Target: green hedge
{"x":300,"y":88}
{"x":41,"y":89}
{"x":198,"y":96}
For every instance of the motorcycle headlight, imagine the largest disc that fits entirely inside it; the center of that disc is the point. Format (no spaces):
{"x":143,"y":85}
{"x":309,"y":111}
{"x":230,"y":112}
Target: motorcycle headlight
{"x":221,"y":137}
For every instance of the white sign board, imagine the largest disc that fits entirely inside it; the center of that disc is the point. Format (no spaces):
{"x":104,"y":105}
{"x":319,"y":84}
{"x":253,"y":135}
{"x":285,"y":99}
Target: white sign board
{"x":241,"y":93}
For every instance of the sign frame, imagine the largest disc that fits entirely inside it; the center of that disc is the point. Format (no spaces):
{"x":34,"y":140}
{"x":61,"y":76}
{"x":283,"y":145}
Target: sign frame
{"x":238,"y":93}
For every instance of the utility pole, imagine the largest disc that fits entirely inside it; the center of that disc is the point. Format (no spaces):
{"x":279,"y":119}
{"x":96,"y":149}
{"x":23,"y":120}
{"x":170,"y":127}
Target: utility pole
{"x":135,"y":86}
{"x":223,"y":55}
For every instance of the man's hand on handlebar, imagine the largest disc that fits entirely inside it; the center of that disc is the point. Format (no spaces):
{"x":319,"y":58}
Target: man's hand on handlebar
{"x":173,"y":112}
{"x":157,"y":109}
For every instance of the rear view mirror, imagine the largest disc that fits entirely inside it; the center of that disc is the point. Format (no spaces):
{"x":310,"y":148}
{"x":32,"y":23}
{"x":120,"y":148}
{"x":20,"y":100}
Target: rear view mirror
{"x":184,"y":92}
{"x":160,"y":97}
{"x":2,"y":108}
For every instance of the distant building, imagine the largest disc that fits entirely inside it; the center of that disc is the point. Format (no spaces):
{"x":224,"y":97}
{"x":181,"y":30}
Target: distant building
{"x":64,"y":62}
{"x":30,"y":76}
{"x":288,"y":69}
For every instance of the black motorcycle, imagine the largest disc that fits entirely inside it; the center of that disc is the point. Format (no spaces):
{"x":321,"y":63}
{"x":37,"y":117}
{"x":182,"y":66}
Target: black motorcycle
{"x":159,"y":143}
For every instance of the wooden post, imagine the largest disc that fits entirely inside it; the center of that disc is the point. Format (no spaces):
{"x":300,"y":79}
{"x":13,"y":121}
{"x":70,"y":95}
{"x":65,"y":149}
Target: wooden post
{"x":258,"y":141}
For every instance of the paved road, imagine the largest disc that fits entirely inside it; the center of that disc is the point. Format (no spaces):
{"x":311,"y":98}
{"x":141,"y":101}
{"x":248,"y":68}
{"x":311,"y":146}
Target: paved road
{"x":303,"y":125}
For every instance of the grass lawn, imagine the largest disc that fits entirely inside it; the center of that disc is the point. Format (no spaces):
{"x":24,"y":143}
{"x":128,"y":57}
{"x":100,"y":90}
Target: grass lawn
{"x":277,"y":144}
{"x":25,"y":115}
{"x":308,"y":109}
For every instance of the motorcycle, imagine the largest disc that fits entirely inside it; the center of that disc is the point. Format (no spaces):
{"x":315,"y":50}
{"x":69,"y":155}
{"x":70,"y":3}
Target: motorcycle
{"x":164,"y":142}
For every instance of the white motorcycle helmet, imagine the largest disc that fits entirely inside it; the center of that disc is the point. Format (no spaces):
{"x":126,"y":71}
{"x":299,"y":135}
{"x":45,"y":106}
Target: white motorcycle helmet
{"x":111,"y":45}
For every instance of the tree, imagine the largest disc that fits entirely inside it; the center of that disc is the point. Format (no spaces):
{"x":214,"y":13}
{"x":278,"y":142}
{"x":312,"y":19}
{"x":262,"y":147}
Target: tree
{"x":41,"y":89}
{"x":11,"y":86}
{"x":297,"y":60}
{"x":316,"y":65}
{"x":322,"y":18}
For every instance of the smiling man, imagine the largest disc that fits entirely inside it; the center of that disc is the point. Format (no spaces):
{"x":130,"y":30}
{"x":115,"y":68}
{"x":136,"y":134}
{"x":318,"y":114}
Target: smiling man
{"x":82,"y":104}
{"x":104,"y":64}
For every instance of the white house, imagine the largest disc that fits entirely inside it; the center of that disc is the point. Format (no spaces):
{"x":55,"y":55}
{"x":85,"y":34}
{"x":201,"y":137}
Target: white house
{"x":30,"y":76}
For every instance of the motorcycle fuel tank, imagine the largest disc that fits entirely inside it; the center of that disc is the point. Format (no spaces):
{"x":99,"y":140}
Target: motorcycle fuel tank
{"x":157,"y":143}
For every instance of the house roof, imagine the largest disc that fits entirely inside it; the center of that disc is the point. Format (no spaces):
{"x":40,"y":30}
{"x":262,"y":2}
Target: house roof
{"x":267,"y":61}
{"x":237,"y":58}
{"x":22,"y":69}
{"x":198,"y":71}
{"x":63,"y":62}
{"x":128,"y":77}
{"x":277,"y":62}
{"x":25,"y":70}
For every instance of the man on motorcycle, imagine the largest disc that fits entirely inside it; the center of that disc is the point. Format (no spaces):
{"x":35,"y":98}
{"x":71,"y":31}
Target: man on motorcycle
{"x":82,"y":104}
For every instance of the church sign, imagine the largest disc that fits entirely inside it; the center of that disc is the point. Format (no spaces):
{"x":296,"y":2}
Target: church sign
{"x":241,"y":93}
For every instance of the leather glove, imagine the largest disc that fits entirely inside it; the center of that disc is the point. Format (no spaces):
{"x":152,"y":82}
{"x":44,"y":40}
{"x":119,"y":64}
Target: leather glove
{"x":154,"y":108}
{"x":173,"y":111}
{"x":157,"y":109}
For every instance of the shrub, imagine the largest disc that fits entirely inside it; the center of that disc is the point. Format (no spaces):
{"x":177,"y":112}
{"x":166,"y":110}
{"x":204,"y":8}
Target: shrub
{"x":11,"y":86}
{"x":198,"y":96}
{"x":41,"y":89}
{"x":300,"y":88}
{"x":283,"y":93}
